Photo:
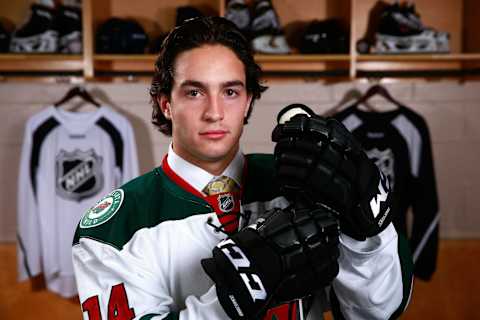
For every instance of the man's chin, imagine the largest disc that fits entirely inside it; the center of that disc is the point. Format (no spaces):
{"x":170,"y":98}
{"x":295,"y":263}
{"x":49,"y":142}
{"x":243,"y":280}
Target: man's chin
{"x":215,"y":156}
{"x":214,"y":153}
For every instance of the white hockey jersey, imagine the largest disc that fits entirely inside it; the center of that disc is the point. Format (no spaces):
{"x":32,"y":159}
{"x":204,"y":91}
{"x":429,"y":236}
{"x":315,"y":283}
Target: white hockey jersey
{"x":69,"y":159}
{"x":137,"y":252}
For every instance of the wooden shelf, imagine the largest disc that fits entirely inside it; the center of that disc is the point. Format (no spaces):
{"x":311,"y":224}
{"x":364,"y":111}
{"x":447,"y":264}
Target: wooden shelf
{"x":269,"y":63}
{"x":412,"y":62}
{"x":124,"y":62}
{"x":459,"y":18}
{"x":419,"y":57}
{"x":302,"y":63}
{"x":40,"y":63}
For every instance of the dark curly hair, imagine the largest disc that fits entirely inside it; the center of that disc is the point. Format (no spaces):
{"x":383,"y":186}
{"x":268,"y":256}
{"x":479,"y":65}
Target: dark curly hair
{"x":193,"y":34}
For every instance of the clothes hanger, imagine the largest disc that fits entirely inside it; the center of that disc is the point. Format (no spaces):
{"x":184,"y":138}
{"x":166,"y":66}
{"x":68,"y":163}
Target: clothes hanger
{"x":374,"y":90}
{"x":350,"y":96}
{"x":77,"y":91}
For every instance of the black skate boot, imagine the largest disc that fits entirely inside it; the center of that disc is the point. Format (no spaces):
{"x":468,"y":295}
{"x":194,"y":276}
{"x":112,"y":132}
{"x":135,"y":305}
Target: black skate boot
{"x":69,"y":26}
{"x":238,"y":12}
{"x":267,"y":34}
{"x":401,"y":31}
{"x":38,"y":34}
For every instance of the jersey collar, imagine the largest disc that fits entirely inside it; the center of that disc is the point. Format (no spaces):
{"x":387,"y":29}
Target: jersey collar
{"x":78,"y":122}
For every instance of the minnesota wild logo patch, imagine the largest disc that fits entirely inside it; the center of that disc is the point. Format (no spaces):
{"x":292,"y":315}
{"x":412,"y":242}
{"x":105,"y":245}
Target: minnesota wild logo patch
{"x":103,"y":210}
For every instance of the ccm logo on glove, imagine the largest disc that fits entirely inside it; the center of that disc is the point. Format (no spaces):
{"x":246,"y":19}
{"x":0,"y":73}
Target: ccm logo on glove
{"x":239,"y":260}
{"x":381,"y":196}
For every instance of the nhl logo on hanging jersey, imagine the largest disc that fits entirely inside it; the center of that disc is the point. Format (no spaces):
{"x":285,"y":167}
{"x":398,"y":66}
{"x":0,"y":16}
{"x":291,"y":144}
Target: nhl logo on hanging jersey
{"x":385,"y":161}
{"x":226,"y":203}
{"x":78,"y":174}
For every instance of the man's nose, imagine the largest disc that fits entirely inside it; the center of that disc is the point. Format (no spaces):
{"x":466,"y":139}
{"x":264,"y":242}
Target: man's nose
{"x":214,"y":110}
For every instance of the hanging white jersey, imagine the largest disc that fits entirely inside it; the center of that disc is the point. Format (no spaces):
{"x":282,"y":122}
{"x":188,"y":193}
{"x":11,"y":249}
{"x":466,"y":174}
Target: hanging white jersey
{"x":69,"y":159}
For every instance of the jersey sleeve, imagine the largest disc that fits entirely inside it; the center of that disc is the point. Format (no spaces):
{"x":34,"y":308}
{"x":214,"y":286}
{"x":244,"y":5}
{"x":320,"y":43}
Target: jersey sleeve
{"x":425,"y":225}
{"x":28,"y":231}
{"x":375,"y":277}
{"x":124,"y":283}
{"x":129,"y":267}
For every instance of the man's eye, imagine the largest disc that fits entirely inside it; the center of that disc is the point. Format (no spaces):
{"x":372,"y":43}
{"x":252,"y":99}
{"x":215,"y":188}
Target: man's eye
{"x":193,"y":93}
{"x":231,"y":92}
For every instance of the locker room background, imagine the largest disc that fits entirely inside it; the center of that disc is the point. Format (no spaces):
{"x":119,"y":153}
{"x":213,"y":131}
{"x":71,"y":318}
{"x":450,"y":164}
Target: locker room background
{"x":450,"y":108}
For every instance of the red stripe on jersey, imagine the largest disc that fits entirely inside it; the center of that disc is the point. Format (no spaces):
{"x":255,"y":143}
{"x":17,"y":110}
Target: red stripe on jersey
{"x":229,"y":220}
{"x":287,"y":311}
{"x":179,"y":181}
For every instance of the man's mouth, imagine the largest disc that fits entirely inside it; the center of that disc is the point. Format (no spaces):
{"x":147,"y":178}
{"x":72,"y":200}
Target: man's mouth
{"x":214,"y":134}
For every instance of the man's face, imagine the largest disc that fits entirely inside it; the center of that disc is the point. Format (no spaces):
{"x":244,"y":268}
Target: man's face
{"x":207,"y":105}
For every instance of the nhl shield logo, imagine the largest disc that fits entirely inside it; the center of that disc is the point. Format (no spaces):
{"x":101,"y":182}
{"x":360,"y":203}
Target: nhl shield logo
{"x":226,"y":203}
{"x":78,"y":174}
{"x":385,"y":161}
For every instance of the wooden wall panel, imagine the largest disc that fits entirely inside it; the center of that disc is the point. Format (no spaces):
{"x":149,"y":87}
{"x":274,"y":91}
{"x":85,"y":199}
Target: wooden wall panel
{"x":14,"y":13}
{"x":471,"y":36}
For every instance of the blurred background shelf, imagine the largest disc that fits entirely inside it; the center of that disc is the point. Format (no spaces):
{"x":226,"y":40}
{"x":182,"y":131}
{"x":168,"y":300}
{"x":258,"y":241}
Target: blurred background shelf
{"x":457,"y":17}
{"x":412,"y":62}
{"x":40,"y":62}
{"x":124,"y":63}
{"x":302,"y":63}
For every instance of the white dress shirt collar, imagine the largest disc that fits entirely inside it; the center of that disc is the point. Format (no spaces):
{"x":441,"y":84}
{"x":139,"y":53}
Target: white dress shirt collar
{"x":199,"y":178}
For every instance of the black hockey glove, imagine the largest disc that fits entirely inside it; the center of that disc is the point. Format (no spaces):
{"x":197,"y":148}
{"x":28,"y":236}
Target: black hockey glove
{"x":289,"y":255}
{"x":320,"y":159}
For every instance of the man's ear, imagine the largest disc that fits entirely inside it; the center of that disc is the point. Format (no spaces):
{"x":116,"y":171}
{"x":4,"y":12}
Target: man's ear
{"x":164,"y":103}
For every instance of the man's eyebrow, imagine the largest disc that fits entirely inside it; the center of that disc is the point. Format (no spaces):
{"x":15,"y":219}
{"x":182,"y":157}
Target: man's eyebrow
{"x":201,"y":85}
{"x":192,"y":83}
{"x":233,"y":83}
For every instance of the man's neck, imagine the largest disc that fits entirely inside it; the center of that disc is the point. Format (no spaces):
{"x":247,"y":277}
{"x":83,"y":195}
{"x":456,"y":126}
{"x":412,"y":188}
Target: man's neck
{"x":212,"y":166}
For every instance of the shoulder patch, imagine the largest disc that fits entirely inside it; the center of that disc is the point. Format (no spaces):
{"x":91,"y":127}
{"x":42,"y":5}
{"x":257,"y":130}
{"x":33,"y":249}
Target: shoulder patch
{"x":103,"y":210}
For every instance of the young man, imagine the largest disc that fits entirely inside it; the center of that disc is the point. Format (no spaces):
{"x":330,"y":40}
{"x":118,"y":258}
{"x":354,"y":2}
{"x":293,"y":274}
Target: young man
{"x":215,"y":234}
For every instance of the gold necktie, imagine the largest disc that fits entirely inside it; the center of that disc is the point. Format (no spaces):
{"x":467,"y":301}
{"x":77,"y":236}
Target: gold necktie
{"x":220,"y":185}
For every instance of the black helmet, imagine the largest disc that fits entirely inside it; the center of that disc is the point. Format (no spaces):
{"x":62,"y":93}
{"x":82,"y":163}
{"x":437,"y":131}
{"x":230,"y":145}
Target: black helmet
{"x":4,"y":39}
{"x":121,"y":36}
{"x":327,"y":36}
{"x":186,"y":13}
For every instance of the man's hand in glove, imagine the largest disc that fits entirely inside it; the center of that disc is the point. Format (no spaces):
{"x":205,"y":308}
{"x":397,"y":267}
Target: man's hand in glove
{"x":320,"y":160}
{"x":289,"y":255}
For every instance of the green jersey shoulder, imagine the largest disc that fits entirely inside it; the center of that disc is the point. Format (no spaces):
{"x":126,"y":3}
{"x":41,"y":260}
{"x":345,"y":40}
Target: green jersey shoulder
{"x":154,"y":198}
